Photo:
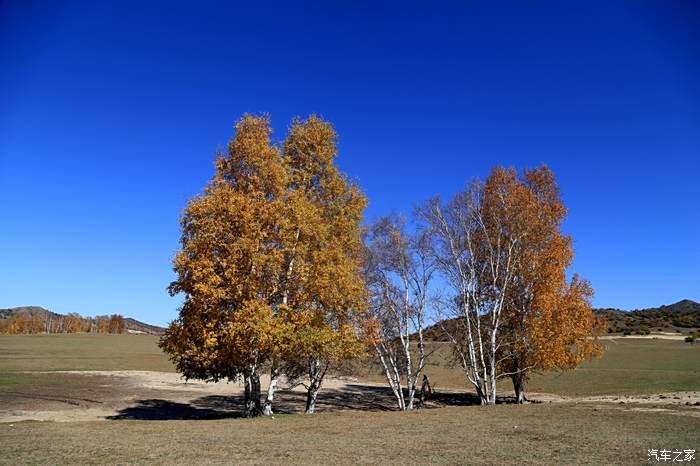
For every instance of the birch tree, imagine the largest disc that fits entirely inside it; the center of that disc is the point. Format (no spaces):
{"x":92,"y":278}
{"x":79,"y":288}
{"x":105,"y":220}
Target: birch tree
{"x":270,"y":262}
{"x":548,"y":322}
{"x":478,"y":256}
{"x":72,"y":323}
{"x":399,"y":269}
{"x":229,"y":265}
{"x":325,"y":285}
{"x":500,"y":247}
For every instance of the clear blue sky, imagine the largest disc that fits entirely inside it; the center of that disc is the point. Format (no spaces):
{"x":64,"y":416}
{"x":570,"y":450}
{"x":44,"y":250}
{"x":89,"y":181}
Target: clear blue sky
{"x":110,"y":116}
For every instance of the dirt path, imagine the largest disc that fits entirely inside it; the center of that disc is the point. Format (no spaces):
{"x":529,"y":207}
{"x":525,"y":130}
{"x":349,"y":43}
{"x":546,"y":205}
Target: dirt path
{"x":100,"y":395}
{"x":661,"y":402}
{"x":653,"y":336}
{"x":669,"y":398}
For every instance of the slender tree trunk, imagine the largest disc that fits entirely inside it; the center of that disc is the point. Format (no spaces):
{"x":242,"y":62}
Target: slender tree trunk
{"x":411,"y":397}
{"x":473,"y":361}
{"x":406,"y":398}
{"x":390,"y":371}
{"x":426,"y":390}
{"x":519,"y":387}
{"x":274,"y":377}
{"x":316,"y":375}
{"x":480,"y":394}
{"x":492,"y":396}
{"x":252,"y":395}
{"x":256,"y":393}
{"x":311,"y":399}
{"x":248,"y":407}
{"x":492,"y":371}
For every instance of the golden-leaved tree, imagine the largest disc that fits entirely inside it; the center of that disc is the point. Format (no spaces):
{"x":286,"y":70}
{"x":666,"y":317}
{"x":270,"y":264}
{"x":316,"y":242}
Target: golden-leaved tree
{"x":268,"y":264}
{"x":324,"y":280}
{"x":72,"y":323}
{"x":499,"y":247}
{"x":548,"y":322}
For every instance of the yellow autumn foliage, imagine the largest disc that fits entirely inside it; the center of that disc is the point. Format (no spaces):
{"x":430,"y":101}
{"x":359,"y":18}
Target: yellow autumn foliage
{"x":269,"y":264}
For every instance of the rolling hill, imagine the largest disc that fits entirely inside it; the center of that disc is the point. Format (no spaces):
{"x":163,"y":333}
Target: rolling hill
{"x":131,"y":325}
{"x":681,"y":317}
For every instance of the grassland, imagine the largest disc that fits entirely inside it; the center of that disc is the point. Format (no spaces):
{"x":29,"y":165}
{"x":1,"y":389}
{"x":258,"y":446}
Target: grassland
{"x":544,"y":433}
{"x":505,"y":434}
{"x":629,"y":366}
{"x":81,"y":352}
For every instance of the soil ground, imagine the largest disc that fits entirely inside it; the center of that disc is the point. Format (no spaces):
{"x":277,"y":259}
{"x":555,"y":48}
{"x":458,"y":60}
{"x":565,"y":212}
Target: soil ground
{"x":148,"y":395}
{"x":548,"y":433}
{"x":117,"y":399}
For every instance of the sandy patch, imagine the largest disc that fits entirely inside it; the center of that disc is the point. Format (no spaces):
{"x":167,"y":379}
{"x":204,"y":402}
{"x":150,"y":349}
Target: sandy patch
{"x":120,"y":391}
{"x":669,"y":398}
{"x":653,"y":336}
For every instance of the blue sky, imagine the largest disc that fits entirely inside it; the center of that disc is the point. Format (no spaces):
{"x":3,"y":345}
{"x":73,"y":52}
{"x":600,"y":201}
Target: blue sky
{"x":110,"y":116}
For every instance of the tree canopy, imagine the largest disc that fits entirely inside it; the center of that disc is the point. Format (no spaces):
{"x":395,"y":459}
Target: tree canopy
{"x":275,"y":274}
{"x":270,"y":259}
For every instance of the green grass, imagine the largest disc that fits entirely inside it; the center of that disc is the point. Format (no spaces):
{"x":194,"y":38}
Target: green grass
{"x":81,"y":351}
{"x":530,"y":434}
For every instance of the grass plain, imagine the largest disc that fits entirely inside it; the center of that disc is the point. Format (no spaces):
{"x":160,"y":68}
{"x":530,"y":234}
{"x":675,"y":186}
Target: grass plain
{"x":504,"y":434}
{"x":81,"y":352}
{"x":543,"y":433}
{"x":628,"y":366}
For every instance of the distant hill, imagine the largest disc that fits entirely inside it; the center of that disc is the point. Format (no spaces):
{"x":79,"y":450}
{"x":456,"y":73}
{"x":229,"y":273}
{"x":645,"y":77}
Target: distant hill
{"x":138,"y":326}
{"x":681,"y":317}
{"x":130,"y":325}
{"x":7,"y":313}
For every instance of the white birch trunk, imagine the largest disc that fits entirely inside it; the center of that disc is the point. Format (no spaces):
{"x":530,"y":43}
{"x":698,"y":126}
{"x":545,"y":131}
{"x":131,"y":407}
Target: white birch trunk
{"x":316,"y":375}
{"x":251,"y":400}
{"x":274,"y":378}
{"x":389,"y":371}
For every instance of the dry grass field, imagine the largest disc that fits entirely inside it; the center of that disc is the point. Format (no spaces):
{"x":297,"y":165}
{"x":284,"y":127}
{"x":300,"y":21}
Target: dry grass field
{"x":506,"y":434}
{"x":122,"y":403}
{"x":630,"y":366}
{"x":81,"y":352}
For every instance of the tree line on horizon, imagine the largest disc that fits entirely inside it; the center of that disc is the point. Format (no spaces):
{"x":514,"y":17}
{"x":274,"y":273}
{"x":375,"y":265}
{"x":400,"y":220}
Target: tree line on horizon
{"x":279,"y":274}
{"x":34,"y":321}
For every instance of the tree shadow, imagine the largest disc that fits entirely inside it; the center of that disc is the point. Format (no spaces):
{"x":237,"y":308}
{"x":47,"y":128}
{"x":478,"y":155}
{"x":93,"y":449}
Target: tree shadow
{"x":351,"y":397}
{"x":165,"y":410}
{"x":454,"y":399}
{"x":470,"y":399}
